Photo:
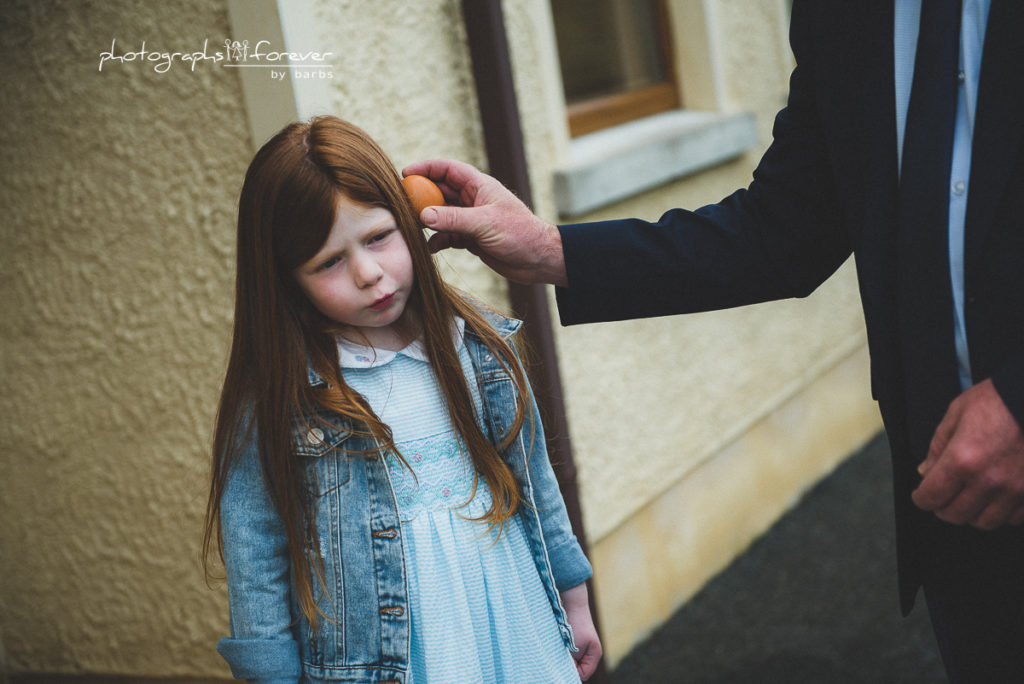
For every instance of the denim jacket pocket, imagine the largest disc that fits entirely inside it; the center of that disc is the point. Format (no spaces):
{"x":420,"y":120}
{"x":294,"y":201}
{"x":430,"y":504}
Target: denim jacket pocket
{"x":497,"y":389}
{"x":320,"y":445}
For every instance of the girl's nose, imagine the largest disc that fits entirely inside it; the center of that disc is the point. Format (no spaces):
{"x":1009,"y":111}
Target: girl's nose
{"x":367,"y":272}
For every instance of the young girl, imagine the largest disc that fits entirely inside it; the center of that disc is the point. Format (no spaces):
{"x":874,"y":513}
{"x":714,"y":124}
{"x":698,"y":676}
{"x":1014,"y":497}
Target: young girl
{"x":381,"y":494}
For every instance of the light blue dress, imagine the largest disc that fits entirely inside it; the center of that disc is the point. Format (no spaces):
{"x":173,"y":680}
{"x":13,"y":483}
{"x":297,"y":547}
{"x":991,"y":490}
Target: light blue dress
{"x":478,"y":609}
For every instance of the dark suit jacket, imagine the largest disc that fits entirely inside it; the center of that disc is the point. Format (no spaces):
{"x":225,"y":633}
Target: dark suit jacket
{"x":826,"y":188}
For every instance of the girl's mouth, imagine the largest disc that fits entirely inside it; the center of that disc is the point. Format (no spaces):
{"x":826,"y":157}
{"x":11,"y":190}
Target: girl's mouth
{"x":383,"y":303}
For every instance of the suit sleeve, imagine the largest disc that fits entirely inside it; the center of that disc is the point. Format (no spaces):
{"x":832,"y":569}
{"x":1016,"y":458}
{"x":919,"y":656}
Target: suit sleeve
{"x":780,"y":237}
{"x":1009,"y":383}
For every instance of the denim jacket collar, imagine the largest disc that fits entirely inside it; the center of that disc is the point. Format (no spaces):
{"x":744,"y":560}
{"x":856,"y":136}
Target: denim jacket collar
{"x":503,"y":324}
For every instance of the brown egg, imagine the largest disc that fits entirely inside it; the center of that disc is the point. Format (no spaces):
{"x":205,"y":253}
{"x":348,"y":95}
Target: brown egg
{"x":422,"y":192}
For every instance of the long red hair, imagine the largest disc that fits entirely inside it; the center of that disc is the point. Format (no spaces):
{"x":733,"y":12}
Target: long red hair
{"x":285,"y":213}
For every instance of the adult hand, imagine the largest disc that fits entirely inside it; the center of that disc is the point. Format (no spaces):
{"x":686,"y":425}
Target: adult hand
{"x":974,"y":472}
{"x":490,"y":222}
{"x":577,"y":611}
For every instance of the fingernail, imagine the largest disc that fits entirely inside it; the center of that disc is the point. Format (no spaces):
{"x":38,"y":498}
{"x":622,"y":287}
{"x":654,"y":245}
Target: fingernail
{"x":429,"y":217}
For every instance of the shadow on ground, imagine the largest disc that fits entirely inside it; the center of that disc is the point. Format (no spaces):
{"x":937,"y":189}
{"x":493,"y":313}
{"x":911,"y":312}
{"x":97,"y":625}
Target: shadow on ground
{"x":813,"y":601}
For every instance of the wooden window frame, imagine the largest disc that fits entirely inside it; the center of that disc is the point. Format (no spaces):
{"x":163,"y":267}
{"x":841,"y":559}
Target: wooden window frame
{"x":619,"y":108}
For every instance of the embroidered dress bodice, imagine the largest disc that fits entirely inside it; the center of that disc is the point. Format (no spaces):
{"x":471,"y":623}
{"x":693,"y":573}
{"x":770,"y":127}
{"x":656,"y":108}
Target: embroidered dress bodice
{"x":478,"y":609}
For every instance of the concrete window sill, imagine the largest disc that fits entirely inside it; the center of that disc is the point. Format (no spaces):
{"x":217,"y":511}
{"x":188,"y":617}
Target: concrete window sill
{"x":616,"y":163}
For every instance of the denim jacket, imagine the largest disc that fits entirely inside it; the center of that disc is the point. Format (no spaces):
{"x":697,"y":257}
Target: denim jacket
{"x":365,"y":637}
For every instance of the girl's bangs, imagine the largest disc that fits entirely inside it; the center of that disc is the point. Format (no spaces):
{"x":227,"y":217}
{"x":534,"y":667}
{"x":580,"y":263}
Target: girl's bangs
{"x":303,"y":217}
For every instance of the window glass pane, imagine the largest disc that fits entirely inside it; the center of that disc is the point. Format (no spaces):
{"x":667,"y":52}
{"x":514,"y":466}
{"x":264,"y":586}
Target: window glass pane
{"x":607,"y":46}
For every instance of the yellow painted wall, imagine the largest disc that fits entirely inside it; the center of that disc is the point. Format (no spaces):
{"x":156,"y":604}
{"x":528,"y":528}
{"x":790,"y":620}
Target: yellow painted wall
{"x":119,"y":190}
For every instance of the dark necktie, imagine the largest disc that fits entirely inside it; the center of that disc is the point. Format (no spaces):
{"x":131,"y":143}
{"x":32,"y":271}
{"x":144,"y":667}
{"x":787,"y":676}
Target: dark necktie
{"x":926,"y":299}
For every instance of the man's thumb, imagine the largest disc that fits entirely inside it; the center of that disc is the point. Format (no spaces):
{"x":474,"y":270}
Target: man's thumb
{"x":449,"y":220}
{"x":429,"y":217}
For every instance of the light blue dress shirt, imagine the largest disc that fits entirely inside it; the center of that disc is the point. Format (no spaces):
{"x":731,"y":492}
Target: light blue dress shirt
{"x":972,"y":40}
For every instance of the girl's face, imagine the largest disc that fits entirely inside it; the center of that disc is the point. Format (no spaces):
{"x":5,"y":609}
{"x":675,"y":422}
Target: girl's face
{"x":362,"y":276}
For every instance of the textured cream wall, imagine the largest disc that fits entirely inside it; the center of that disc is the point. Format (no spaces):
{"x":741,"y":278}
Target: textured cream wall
{"x":120,"y":192}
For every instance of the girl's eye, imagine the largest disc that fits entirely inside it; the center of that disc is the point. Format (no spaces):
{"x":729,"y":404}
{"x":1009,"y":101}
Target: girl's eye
{"x":327,"y":264}
{"x":381,"y":236}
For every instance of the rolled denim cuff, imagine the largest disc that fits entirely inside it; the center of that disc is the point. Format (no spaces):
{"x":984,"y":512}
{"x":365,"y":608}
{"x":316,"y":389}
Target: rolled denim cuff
{"x":262,"y":661}
{"x":568,"y":564}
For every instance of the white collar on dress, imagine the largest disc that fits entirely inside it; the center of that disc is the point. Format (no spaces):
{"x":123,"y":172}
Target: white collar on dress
{"x":354,"y":355}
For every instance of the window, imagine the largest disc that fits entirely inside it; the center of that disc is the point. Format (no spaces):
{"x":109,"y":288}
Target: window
{"x":626,"y":76}
{"x":616,"y":61}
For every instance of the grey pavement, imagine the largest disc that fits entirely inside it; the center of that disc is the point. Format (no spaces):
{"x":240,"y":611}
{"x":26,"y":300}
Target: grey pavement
{"x":814,"y":600}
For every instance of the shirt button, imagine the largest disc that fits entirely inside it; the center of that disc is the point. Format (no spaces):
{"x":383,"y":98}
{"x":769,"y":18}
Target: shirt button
{"x":315,"y":436}
{"x":959,"y":187}
{"x":960,"y":76}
